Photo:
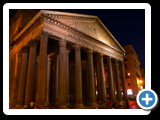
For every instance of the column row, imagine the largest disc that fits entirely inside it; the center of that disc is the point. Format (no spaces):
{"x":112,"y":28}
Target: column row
{"x":33,"y":84}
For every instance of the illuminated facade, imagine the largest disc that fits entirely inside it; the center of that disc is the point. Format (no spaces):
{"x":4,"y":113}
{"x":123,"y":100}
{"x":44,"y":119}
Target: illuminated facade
{"x":132,"y":71}
{"x":60,"y":60}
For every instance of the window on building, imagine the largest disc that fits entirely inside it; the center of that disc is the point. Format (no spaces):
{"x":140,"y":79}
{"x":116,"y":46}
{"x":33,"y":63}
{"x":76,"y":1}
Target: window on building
{"x":127,"y":75}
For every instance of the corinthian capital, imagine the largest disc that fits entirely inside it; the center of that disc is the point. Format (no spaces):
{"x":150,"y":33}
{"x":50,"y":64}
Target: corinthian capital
{"x":62,"y":43}
{"x":45,"y":35}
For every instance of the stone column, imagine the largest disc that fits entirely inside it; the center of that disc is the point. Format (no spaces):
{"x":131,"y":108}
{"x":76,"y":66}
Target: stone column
{"x":62,"y":85}
{"x":29,"y":93}
{"x":78,"y":78}
{"x":48,"y":81}
{"x":110,"y":76}
{"x":22,"y":80}
{"x":119,"y":96}
{"x":10,"y":66}
{"x":101,"y":83}
{"x":35,"y":78}
{"x":55,"y":81}
{"x":14,"y":94}
{"x":12,"y":73}
{"x":42,"y":72}
{"x":67,"y":61}
{"x":91,"y":82}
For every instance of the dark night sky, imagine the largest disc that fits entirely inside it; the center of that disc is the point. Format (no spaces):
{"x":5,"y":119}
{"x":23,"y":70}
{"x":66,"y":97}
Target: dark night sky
{"x":126,"y":25}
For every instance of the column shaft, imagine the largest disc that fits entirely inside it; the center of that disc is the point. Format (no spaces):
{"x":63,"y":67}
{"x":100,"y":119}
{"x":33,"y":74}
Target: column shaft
{"x":42,"y":72}
{"x":14,"y":94}
{"x":48,"y":80}
{"x":67,"y":60}
{"x":22,"y":80}
{"x":78,"y":77}
{"x":29,"y":95}
{"x":91,"y":82}
{"x":11,"y":74}
{"x":110,"y":76}
{"x":55,"y":80}
{"x":62,"y":85}
{"x":35,"y":78}
{"x":101,"y":82}
{"x":118,"y":82}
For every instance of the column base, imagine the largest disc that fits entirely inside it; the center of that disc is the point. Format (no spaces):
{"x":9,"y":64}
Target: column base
{"x":20,"y":107}
{"x":63,"y":107}
{"x":46,"y":105}
{"x":12,"y":106}
{"x":126,"y":102}
{"x":12,"y":103}
{"x":103,"y":106}
{"x":78,"y":106}
{"x":54,"y":105}
{"x":101,"y":102}
{"x":29,"y":105}
{"x":119,"y":104}
{"x":39,"y":107}
{"x":93,"y":105}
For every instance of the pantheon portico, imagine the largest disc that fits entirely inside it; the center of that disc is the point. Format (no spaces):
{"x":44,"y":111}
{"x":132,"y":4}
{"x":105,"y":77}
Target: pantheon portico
{"x":65,"y":60}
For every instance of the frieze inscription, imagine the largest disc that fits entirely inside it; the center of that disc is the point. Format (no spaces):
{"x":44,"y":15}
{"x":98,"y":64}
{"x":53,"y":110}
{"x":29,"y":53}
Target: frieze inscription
{"x":89,"y":44}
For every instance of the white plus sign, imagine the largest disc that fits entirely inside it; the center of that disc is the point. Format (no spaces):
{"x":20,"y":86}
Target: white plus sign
{"x":147,"y":99}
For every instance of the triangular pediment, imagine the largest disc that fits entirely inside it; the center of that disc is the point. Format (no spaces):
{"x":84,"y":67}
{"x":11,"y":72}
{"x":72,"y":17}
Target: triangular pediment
{"x":87,"y":24}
